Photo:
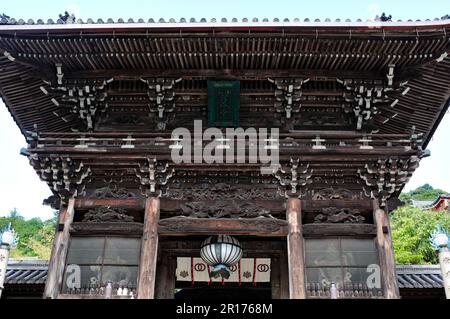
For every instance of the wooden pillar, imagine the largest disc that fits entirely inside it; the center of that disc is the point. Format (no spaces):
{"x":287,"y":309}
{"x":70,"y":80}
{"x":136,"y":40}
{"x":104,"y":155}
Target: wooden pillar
{"x":59,"y":251}
{"x":275,"y":278}
{"x":296,"y":259}
{"x":279,"y":277}
{"x":385,"y":252}
{"x":165,"y":277}
{"x":149,"y":250}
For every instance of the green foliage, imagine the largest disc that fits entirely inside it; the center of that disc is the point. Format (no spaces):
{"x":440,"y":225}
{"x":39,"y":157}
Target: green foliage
{"x":424,"y":192}
{"x":411,"y":229}
{"x":35,"y":235}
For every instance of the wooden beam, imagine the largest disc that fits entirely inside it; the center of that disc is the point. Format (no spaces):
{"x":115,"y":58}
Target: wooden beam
{"x":296,"y":260}
{"x":312,"y":230}
{"x":149,"y":250}
{"x":228,"y":74}
{"x":123,"y":203}
{"x":314,"y":206}
{"x":188,"y":226}
{"x":114,"y":228}
{"x":386,"y":252}
{"x":59,"y":252}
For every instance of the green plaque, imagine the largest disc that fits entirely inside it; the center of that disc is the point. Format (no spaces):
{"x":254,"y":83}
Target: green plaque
{"x":223,"y":103}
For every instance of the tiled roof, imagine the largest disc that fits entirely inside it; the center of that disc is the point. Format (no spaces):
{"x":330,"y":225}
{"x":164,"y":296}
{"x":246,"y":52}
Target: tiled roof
{"x":413,"y":276}
{"x":429,"y":204}
{"x":26,"y":272}
{"x":252,"y":21}
{"x":422,"y":203}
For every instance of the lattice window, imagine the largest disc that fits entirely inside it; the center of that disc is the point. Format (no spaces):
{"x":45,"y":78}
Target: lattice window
{"x":347,"y":262}
{"x":93,"y":261}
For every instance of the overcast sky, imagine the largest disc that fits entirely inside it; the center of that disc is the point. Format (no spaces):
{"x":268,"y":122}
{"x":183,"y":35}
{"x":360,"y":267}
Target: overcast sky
{"x":19,"y":185}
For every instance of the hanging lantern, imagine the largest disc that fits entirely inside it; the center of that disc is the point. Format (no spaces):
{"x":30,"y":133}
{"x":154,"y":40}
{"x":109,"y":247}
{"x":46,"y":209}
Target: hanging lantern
{"x":221,"y":252}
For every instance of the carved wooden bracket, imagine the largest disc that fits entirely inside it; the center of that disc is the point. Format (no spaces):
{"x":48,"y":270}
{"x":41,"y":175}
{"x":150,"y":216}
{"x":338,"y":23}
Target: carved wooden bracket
{"x":153,"y":176}
{"x":365,"y":96}
{"x":387,"y":176}
{"x":65,"y":177}
{"x":288,"y":95}
{"x":294,"y":177}
{"x":161,"y":95}
{"x":83,"y":98}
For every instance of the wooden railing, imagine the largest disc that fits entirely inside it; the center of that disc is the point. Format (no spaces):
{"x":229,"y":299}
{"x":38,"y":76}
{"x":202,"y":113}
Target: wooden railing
{"x":349,"y":291}
{"x":97,"y":293}
{"x":287,"y":141}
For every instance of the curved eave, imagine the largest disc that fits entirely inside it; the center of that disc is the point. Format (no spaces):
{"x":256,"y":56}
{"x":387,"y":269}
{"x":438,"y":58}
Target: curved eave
{"x":229,"y":26}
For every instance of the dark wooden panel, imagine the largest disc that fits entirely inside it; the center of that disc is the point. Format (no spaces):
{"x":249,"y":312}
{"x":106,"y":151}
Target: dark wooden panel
{"x":127,"y":229}
{"x":186,"y":226}
{"x":311,"y":230}
{"x":124,"y":203}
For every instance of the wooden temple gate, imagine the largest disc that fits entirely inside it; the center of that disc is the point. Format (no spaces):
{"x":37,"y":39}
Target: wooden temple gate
{"x":353,"y":106}
{"x":157,"y":275}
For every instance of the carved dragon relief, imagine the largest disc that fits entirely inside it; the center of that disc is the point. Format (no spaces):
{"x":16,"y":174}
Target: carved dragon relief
{"x":228,"y":209}
{"x":106,"y":214}
{"x":220,"y":191}
{"x":336,"y":215}
{"x":112,"y":192}
{"x":333,"y":193}
{"x":111,"y":189}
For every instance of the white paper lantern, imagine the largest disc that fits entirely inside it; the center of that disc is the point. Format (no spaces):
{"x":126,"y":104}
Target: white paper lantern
{"x":221,"y":252}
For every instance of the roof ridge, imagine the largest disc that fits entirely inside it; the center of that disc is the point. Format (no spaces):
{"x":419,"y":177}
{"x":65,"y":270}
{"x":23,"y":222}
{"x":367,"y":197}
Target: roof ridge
{"x":6,"y":20}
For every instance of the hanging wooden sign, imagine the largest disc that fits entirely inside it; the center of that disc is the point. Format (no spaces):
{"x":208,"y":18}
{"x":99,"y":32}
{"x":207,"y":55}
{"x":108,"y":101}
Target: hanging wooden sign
{"x":223,"y":103}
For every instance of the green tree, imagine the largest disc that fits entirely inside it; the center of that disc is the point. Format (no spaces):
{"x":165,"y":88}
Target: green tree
{"x":35,"y":235}
{"x":411,"y":229}
{"x":424,"y":192}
